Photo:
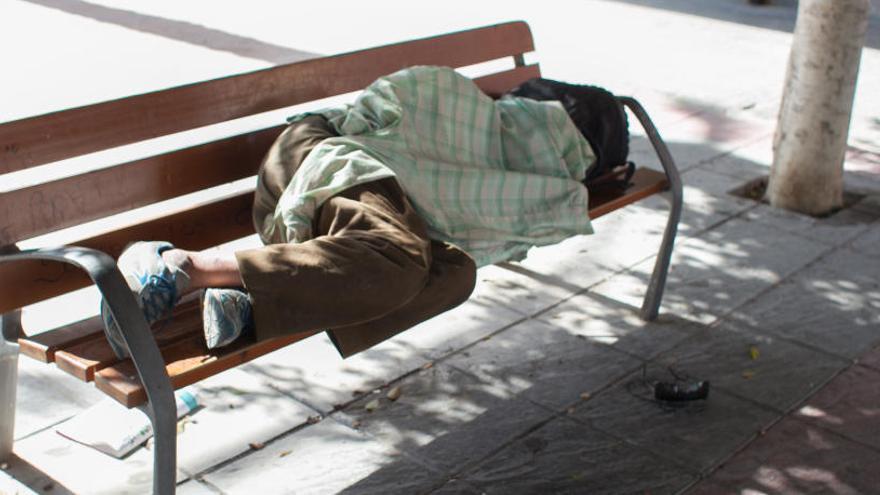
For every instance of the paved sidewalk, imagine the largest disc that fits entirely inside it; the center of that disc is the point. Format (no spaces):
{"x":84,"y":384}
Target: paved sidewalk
{"x":539,"y":383}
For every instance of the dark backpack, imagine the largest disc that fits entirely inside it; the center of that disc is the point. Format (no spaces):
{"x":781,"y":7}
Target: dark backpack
{"x":601,"y":119}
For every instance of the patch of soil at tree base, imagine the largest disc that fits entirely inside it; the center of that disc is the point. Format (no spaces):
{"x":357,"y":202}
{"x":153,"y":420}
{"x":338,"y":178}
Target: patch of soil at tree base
{"x":756,"y":190}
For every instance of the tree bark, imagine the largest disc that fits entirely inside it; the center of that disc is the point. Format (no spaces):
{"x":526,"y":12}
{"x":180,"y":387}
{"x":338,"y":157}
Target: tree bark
{"x":810,"y":141}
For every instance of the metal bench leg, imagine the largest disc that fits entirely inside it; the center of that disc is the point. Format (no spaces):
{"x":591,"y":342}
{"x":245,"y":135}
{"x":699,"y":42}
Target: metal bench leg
{"x":654,"y":295}
{"x":10,"y":324}
{"x":138,"y":339}
{"x":164,"y":419}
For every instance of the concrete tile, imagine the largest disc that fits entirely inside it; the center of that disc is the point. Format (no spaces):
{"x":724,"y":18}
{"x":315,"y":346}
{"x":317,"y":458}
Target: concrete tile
{"x":833,"y":305}
{"x":835,"y":230}
{"x":862,"y":171}
{"x":848,"y":405}
{"x":701,"y":137}
{"x":237,"y":409}
{"x":703,"y":206}
{"x":698,"y":435}
{"x":718,"y":271}
{"x":324,"y":458}
{"x":313,"y":371}
{"x":194,"y":487}
{"x":457,"y":487}
{"x":625,"y":237}
{"x":455,"y":329}
{"x":794,"y":457}
{"x":544,"y":363}
{"x":566,"y":457}
{"x":781,"y":376}
{"x":578,"y":262}
{"x":520,"y":290}
{"x":745,"y":163}
{"x":72,"y":466}
{"x":870,"y":203}
{"x":707,"y":487}
{"x":447,"y":417}
{"x":47,"y":395}
{"x":849,"y":265}
{"x":868,"y":241}
{"x":871,"y":359}
{"x":608,"y":322}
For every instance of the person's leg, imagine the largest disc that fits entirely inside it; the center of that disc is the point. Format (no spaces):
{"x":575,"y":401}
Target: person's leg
{"x":212,"y":268}
{"x":372,"y":256}
{"x":451,"y":280}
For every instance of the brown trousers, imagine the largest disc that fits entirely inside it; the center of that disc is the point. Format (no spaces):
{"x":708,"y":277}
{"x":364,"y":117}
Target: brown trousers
{"x":369,"y":273}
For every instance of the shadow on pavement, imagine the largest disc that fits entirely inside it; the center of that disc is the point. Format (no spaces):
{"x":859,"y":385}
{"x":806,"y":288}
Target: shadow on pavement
{"x":186,"y":32}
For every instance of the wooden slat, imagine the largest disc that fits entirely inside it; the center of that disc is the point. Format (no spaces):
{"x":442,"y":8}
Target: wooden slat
{"x":187,"y":362}
{"x":497,"y":84}
{"x":200,"y":228}
{"x":27,"y":282}
{"x":42,"y":139}
{"x":43,"y":346}
{"x":84,"y":358}
{"x":70,"y":201}
{"x":645,"y":182}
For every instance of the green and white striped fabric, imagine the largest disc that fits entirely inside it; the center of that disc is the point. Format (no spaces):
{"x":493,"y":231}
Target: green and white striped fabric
{"x":493,"y":177}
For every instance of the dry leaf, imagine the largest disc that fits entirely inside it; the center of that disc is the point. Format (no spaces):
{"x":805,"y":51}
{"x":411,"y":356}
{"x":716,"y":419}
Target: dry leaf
{"x":372,"y":405}
{"x":427,"y":365}
{"x":585,"y":396}
{"x":313,"y":419}
{"x":748,"y":374}
{"x":394,"y":393}
{"x":754,"y":352}
{"x":257,"y":445}
{"x":284,"y":453}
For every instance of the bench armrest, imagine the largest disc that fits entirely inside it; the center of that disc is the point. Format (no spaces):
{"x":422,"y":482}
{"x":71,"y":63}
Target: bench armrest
{"x":104,"y":272}
{"x":666,"y":160}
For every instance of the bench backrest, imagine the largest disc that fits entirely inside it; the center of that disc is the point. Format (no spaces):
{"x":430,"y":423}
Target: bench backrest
{"x":67,"y":202}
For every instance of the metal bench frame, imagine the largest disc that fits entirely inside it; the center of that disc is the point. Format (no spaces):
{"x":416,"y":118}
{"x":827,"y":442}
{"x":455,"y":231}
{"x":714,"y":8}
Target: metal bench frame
{"x":148,"y":361}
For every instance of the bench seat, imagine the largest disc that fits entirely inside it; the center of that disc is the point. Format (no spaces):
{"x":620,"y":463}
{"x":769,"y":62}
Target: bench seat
{"x":81,"y":350}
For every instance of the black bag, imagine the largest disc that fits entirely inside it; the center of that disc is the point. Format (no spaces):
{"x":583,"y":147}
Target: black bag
{"x":601,"y":119}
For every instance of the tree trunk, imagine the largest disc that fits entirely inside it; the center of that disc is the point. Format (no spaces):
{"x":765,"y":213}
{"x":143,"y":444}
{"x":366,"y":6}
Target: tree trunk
{"x":810,"y":141}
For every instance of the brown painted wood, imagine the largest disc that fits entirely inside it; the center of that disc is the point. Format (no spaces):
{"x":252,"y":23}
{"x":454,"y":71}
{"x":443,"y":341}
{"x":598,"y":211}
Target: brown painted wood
{"x":42,"y":346}
{"x":70,"y":201}
{"x":82,"y":359}
{"x":645,"y":182}
{"x":136,"y":184}
{"x":187,"y":362}
{"x":499,"y":83}
{"x":42,"y":139}
{"x":27,"y":282}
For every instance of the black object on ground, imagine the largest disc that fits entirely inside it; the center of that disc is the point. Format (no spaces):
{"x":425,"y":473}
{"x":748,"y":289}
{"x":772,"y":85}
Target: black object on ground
{"x":681,"y":391}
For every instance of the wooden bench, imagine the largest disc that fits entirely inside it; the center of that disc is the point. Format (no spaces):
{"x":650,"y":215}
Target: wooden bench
{"x":176,"y":356}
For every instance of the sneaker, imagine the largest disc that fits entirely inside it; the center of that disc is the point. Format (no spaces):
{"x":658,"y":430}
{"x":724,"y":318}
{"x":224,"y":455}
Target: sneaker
{"x":226,"y":314}
{"x":156,"y":285}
